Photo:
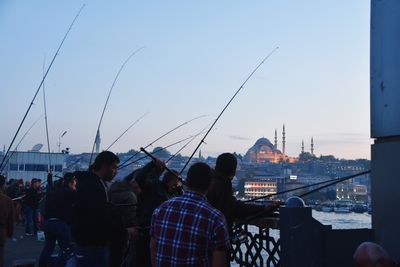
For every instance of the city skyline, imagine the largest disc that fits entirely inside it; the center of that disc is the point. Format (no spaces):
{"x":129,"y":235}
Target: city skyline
{"x":317,"y":83}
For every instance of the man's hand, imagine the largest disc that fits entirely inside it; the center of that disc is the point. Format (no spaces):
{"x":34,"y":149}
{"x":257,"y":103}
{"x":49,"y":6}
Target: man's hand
{"x":133,"y":232}
{"x":159,"y":164}
{"x":273,"y":206}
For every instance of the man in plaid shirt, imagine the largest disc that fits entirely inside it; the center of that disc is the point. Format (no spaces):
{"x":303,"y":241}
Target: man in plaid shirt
{"x":187,"y":230}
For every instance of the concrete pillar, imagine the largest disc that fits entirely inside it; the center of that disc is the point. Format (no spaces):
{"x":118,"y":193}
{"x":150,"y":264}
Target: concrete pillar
{"x":385,"y":123}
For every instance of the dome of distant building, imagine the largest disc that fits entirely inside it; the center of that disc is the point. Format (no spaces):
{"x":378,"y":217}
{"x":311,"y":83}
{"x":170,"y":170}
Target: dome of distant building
{"x":263,"y":144}
{"x":263,"y":151}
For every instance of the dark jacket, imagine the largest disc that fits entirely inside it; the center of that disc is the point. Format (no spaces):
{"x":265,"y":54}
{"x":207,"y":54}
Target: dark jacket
{"x":221,"y":197}
{"x":93,"y":218}
{"x":6,"y":218}
{"x":32,"y":198}
{"x":124,"y":203}
{"x":153,"y":192}
{"x":60,"y":204}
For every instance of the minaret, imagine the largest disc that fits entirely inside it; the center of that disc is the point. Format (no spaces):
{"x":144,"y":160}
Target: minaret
{"x":284,"y":141}
{"x":98,"y":140}
{"x":312,"y":146}
{"x":276,"y":140}
{"x":302,"y":146}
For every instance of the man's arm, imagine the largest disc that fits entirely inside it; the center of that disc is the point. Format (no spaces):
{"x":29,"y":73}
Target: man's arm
{"x":10,"y":220}
{"x":153,"y":251}
{"x":147,"y":175}
{"x":219,"y":258}
{"x":244,"y":210}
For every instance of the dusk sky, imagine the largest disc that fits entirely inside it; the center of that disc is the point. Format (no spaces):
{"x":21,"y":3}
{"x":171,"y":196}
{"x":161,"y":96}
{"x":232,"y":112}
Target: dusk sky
{"x":197,"y":54}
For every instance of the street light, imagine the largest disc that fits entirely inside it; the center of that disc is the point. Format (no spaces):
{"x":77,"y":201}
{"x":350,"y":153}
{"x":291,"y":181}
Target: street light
{"x":59,"y":140}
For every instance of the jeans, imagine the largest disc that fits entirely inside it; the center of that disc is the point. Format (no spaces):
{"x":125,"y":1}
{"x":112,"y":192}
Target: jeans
{"x":91,"y":256}
{"x":55,"y":230}
{"x":31,"y":216}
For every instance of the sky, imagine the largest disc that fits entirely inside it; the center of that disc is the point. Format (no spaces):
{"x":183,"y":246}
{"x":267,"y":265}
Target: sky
{"x":196,"y":55}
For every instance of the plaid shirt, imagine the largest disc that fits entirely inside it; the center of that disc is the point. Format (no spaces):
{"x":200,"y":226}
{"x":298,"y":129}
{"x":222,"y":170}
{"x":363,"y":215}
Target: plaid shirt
{"x":186,"y":230}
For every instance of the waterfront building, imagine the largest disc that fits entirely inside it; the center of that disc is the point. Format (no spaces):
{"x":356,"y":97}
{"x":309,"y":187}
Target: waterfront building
{"x":27,"y":165}
{"x":258,"y":187}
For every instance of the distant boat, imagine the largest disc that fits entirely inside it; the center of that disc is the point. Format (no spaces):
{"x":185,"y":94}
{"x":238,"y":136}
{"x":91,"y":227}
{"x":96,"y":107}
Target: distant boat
{"x":343,"y":207}
{"x":327,"y":208}
{"x":359,"y":208}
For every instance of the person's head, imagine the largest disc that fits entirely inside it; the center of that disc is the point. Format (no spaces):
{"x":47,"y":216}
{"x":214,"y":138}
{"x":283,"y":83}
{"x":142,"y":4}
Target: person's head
{"x":2,"y":182}
{"x":199,"y":178}
{"x":369,"y":254}
{"x":35,"y":183}
{"x":226,"y":164}
{"x":170,"y":180}
{"x":106,"y":165}
{"x":130,"y":179}
{"x":70,"y":181}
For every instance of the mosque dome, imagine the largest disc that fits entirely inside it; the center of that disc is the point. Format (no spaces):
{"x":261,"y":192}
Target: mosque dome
{"x":263,"y":144}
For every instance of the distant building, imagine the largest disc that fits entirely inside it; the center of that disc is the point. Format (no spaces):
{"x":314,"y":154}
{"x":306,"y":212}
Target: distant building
{"x":258,"y":187}
{"x":264,"y":151}
{"x":33,"y":164}
{"x":350,"y":191}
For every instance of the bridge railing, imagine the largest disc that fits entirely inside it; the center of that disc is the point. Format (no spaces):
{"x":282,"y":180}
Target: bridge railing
{"x":257,"y":243}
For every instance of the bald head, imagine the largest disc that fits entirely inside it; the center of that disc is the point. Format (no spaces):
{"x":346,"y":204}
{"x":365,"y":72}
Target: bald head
{"x":369,"y":254}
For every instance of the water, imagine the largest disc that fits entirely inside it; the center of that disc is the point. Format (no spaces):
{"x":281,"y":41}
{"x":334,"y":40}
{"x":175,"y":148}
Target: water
{"x":344,"y":220}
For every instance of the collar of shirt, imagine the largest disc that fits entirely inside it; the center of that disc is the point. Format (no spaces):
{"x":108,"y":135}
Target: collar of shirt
{"x":195,"y":195}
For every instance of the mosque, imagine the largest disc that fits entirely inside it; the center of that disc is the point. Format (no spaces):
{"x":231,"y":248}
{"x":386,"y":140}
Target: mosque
{"x":264,"y":151}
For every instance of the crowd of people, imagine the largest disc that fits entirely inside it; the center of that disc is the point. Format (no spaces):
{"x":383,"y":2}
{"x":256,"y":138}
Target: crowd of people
{"x":149,"y":218}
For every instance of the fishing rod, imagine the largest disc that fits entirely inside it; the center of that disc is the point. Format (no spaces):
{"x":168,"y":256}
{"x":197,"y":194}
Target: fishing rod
{"x":125,"y":164}
{"x":20,"y":141}
{"x":185,"y":145}
{"x":159,"y":138}
{"x":165,"y":167}
{"x":108,"y":97}
{"x":133,"y":124}
{"x":335,"y":181}
{"x":307,"y":186}
{"x":157,"y":150}
{"x":133,"y":162}
{"x":226,"y":106}
{"x":45,"y":118}
{"x":40,"y":85}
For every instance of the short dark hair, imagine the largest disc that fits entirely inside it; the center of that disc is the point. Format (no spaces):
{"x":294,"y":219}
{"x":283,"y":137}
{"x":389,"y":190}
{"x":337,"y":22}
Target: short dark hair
{"x":199,"y":177}
{"x":2,"y":181}
{"x":226,"y":164}
{"x":104,"y":158}
{"x":68,"y":178}
{"x":167,"y":177}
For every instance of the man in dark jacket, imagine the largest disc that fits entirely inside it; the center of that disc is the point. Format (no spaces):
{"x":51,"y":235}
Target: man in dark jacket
{"x":59,"y":209}
{"x":93,"y":222}
{"x":6,"y":219}
{"x":31,"y":206}
{"x":154,"y":192}
{"x":221,"y":196}
{"x":123,"y":197}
